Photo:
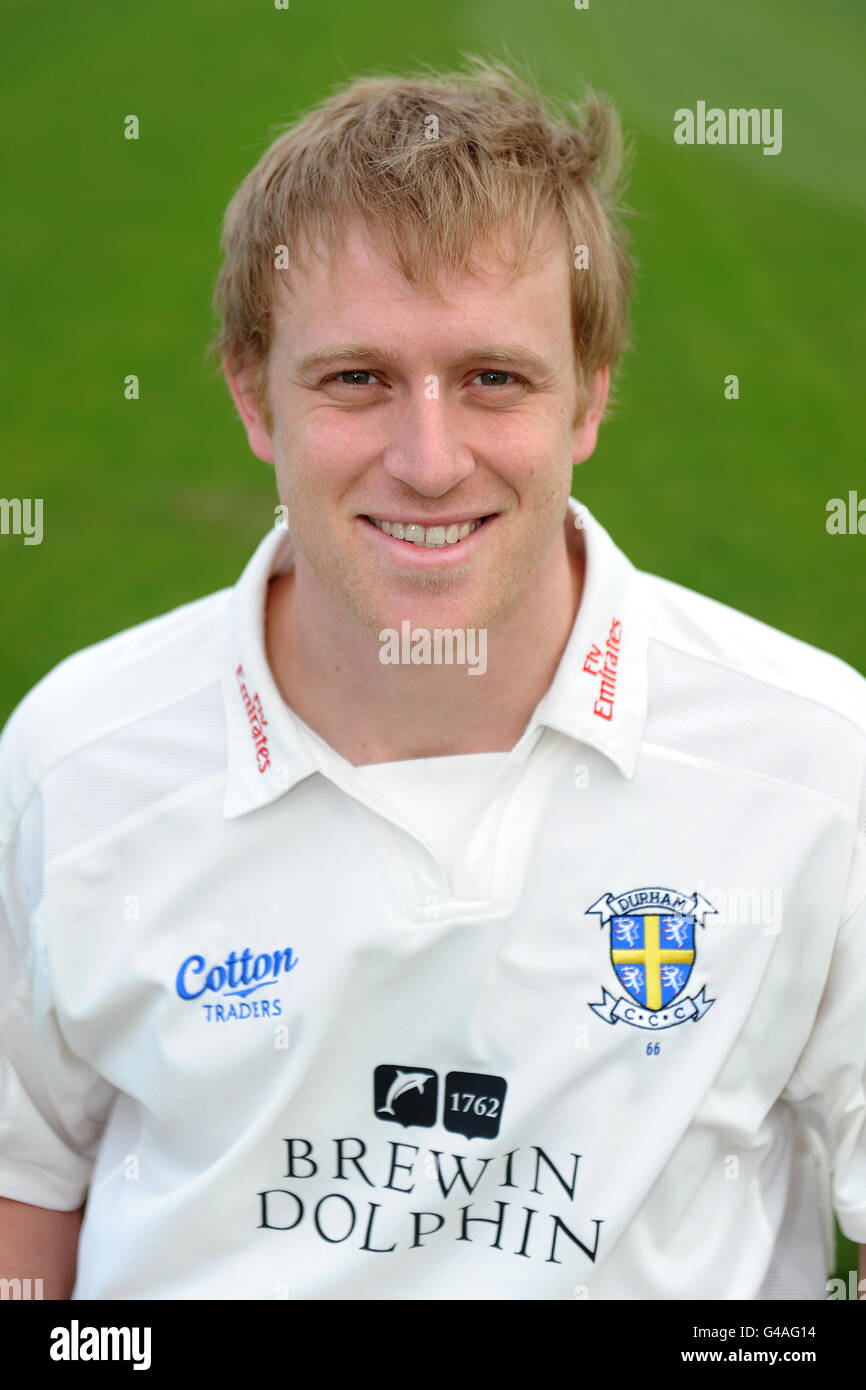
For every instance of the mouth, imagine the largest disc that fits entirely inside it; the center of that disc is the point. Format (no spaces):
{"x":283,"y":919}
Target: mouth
{"x":421,"y":535}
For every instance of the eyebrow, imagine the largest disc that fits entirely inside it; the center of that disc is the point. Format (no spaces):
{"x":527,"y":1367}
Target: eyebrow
{"x":513,"y":353}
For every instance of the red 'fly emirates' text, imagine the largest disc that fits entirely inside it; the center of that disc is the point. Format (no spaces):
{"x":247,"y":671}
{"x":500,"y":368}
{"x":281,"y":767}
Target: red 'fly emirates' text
{"x":603,"y":706}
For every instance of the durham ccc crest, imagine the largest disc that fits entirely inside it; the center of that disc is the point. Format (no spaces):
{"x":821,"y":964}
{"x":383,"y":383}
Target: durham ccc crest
{"x":653,"y":948}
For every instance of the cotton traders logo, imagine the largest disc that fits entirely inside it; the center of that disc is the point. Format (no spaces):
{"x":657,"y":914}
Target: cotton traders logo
{"x":653,"y":949}
{"x":235,"y":978}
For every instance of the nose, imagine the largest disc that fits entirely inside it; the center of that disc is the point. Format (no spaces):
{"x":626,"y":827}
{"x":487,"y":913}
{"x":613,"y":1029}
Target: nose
{"x":425,"y":450}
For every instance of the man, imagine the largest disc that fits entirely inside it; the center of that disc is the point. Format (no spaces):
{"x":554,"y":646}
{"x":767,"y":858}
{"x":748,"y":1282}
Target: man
{"x":340,"y":971}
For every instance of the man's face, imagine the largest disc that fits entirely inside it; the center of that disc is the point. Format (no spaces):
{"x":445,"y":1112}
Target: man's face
{"x":393,"y":406}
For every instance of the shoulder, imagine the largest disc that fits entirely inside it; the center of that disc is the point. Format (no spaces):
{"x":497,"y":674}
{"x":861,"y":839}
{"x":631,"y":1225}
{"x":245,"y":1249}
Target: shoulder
{"x":104,"y":689}
{"x":714,"y":634}
{"x":728,"y":688}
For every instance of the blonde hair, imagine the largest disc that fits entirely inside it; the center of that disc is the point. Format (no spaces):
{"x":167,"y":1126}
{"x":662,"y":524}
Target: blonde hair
{"x":499,"y":163}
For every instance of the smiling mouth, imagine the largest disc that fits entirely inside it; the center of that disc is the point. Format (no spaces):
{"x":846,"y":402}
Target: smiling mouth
{"x":428,"y":537}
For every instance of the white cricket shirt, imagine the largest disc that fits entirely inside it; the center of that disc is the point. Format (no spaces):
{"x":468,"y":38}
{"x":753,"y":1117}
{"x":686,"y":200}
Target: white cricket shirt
{"x":440,"y":798}
{"x":613,"y":1049}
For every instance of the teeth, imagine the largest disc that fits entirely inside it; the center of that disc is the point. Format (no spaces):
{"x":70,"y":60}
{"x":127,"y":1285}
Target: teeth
{"x":432,"y":536}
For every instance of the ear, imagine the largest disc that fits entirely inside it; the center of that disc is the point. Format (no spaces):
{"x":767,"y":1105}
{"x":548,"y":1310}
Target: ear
{"x":242,"y":387}
{"x":586,"y":430}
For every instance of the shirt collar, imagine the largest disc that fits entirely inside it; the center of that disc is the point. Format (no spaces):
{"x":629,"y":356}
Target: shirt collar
{"x":598,"y":695}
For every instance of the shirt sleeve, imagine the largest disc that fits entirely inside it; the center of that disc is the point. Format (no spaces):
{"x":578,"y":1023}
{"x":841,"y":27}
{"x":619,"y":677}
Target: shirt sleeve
{"x":53,"y":1106}
{"x":829,"y":1081}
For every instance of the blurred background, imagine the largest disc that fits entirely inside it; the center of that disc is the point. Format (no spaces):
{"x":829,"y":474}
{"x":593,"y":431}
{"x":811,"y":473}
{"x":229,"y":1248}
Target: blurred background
{"x":747,"y":264}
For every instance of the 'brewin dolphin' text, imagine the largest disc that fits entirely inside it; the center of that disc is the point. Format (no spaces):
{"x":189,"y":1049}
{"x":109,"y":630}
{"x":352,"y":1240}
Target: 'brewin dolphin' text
{"x":331,"y":1185}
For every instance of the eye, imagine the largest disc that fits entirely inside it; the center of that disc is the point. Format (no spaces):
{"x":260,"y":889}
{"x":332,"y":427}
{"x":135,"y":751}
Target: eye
{"x":355,"y":372}
{"x":509,"y":379}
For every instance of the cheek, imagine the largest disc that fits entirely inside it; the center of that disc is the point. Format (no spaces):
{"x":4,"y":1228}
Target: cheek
{"x":308,"y":456}
{"x":533,"y":452}
{"x":538,"y":433}
{"x":327,"y":452}
{"x":342,"y":433}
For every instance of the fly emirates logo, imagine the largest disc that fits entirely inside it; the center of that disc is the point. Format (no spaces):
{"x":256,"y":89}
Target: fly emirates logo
{"x":603,"y":664}
{"x":256,"y":715}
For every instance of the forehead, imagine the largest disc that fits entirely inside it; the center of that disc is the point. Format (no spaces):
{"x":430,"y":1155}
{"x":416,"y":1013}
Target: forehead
{"x":339,"y":294}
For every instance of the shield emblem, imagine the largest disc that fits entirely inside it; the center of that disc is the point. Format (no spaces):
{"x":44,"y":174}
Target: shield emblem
{"x":653,"y":956}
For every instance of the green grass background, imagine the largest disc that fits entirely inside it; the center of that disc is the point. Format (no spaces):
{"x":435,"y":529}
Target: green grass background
{"x":748,"y":264}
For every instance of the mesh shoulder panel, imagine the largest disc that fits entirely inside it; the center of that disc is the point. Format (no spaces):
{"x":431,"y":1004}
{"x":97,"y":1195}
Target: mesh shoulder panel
{"x":703,"y":709}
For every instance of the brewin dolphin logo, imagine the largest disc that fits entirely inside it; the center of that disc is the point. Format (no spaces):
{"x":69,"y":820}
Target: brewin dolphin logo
{"x":406,"y":1095}
{"x":472,"y":1101}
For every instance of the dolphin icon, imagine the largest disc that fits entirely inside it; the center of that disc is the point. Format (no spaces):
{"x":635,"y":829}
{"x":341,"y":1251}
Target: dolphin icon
{"x":403,"y":1081}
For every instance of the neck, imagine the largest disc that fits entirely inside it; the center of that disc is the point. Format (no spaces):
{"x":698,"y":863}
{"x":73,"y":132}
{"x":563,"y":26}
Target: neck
{"x":328,"y":671}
